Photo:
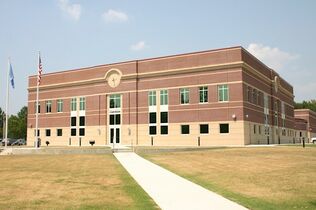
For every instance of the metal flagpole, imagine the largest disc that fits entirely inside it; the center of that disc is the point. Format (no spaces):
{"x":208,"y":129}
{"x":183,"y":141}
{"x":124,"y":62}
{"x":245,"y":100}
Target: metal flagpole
{"x":7,"y":108}
{"x":36,"y":122}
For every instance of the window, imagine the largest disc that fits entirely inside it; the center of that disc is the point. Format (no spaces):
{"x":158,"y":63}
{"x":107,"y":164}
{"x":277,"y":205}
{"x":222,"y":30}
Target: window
{"x":152,"y":98}
{"x":254,"y":129}
{"x":73,"y":132}
{"x":59,"y":132}
{"x":82,"y":121}
{"x":115,"y":101}
{"x":73,"y":104}
{"x":59,"y":105}
{"x":164,"y":117}
{"x":249,"y":94}
{"x":39,"y":107}
{"x":73,"y":121}
{"x":184,"y":96}
{"x":152,"y":130}
{"x":164,"y":97}
{"x":185,"y":129}
{"x":223,"y":93}
{"x":38,"y":132}
{"x":47,"y":132}
{"x":203,"y":94}
{"x":48,"y":106}
{"x":115,"y":119}
{"x":254,"y":96}
{"x":81,"y":132}
{"x":259,"y":127}
{"x":153,"y":117}
{"x":82,"y":104}
{"x":204,"y":129}
{"x":224,"y":128}
{"x":164,"y":129}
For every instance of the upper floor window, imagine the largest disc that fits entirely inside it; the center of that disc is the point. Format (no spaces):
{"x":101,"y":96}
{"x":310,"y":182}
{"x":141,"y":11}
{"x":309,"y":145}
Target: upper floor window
{"x":39,"y":107}
{"x":203,"y":94}
{"x":184,"y":96}
{"x":59,"y":105}
{"x":73,"y":104}
{"x":254,"y":96}
{"x":164,"y":97}
{"x":152,"y":98}
{"x":223,"y":93}
{"x":115,"y":101}
{"x":82,"y":104}
{"x":48,"y":106}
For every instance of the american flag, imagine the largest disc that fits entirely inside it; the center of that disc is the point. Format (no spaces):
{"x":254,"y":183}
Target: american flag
{"x":40,"y":69}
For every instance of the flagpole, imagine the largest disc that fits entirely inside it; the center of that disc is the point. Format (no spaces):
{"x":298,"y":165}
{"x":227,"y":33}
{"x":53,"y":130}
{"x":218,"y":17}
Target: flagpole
{"x":36,"y":122}
{"x":7,"y":107}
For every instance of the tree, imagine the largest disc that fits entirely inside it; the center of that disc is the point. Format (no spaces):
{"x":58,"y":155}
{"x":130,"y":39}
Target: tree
{"x":18,"y":124}
{"x":2,"y":119}
{"x":306,"y":105}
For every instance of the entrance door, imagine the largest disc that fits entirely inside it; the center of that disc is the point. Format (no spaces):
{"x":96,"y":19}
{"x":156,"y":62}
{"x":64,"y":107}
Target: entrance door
{"x":115,"y":135}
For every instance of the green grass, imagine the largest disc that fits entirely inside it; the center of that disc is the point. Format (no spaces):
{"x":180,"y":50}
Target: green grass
{"x":258,"y":178}
{"x":69,"y":182}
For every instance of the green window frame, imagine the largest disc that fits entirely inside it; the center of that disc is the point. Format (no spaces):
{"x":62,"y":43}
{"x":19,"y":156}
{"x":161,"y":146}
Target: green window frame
{"x":184,"y":96}
{"x":48,"y":106}
{"x":82,"y":103}
{"x":152,"y":98}
{"x":73,"y":104}
{"x":164,"y":97}
{"x":203,"y":92}
{"x":223,"y":93}
{"x":60,"y":105}
{"x":115,"y":101}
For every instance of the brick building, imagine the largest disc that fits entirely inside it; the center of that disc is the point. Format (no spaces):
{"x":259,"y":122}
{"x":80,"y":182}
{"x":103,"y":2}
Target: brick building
{"x":216,"y":97}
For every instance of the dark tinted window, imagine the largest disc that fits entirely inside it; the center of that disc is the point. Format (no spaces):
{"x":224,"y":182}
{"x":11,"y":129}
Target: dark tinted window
{"x":59,"y":132}
{"x":164,"y":129}
{"x":164,"y":117}
{"x":81,"y":132}
{"x":224,"y":128}
{"x":47,"y":132}
{"x":73,"y":121}
{"x":73,"y":132}
{"x":152,"y":130}
{"x":152,"y":117}
{"x":204,"y":128}
{"x":82,"y":121}
{"x":185,"y":129}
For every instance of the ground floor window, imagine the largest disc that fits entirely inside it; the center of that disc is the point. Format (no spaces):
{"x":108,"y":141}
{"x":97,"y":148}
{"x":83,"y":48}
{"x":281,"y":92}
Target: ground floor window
{"x":59,"y":132}
{"x":224,"y":128}
{"x":164,"y":129}
{"x":47,"y":132}
{"x":38,"y":132}
{"x":185,"y":129}
{"x":81,"y":132}
{"x":204,"y":129}
{"x":152,"y":130}
{"x":73,"y":132}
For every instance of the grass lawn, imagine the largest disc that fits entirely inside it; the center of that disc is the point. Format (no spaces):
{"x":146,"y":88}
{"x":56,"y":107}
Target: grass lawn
{"x":258,"y":178}
{"x":68,"y":182}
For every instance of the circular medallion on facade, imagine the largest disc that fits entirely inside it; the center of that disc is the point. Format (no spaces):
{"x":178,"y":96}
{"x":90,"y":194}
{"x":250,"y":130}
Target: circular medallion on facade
{"x":113,"y":77}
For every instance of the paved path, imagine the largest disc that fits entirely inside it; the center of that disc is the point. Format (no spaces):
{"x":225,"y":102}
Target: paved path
{"x":169,"y":190}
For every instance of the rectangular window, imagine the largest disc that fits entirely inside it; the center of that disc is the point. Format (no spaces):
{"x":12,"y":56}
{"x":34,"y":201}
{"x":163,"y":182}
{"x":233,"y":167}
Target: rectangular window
{"x":163,"y":117}
{"x":82,"y":121}
{"x":59,"y":132}
{"x":184,"y":96}
{"x":204,"y":129}
{"x":82,"y":104}
{"x":73,"y":132}
{"x":254,"y":96}
{"x":223,"y":93}
{"x":115,"y":101}
{"x":115,"y":119}
{"x":73,"y":104}
{"x":254,"y":129}
{"x":73,"y":121}
{"x":152,"y":130}
{"x":152,"y":98}
{"x":203,"y":94}
{"x":259,"y":128}
{"x":164,"y":97}
{"x":81,"y":132}
{"x":48,"y":106}
{"x":224,"y":128}
{"x":164,"y":129}
{"x":39,"y":107}
{"x":38,"y":132}
{"x":249,"y":96}
{"x":47,"y":132}
{"x":152,"y":117}
{"x":59,"y":105}
{"x":185,"y":129}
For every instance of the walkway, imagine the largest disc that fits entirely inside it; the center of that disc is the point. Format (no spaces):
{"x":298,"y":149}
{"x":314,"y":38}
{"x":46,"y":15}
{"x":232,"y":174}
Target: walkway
{"x":169,"y":190}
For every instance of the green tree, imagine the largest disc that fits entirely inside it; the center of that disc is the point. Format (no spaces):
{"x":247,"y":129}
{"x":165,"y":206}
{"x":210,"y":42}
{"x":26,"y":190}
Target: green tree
{"x":2,"y":118}
{"x":18,"y":124}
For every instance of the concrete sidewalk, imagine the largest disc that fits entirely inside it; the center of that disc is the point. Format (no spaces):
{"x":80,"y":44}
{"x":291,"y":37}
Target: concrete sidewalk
{"x":169,"y":190}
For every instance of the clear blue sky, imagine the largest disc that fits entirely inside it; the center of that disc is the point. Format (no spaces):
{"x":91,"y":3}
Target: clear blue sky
{"x":76,"y":33}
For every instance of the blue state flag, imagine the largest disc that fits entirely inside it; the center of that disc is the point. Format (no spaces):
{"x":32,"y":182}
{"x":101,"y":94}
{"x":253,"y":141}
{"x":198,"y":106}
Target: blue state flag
{"x":11,"y":75}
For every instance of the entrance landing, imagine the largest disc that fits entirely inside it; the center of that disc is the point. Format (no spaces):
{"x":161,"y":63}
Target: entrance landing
{"x":169,"y":190}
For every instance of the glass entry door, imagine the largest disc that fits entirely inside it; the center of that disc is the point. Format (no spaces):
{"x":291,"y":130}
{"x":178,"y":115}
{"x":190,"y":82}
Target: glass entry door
{"x":115,"y":135}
